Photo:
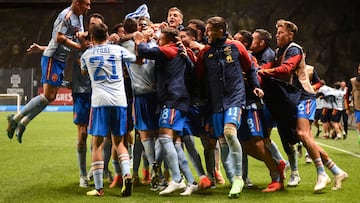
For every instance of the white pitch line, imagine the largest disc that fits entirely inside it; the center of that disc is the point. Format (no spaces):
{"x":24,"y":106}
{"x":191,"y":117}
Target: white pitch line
{"x":338,"y":149}
{"x":335,"y":148}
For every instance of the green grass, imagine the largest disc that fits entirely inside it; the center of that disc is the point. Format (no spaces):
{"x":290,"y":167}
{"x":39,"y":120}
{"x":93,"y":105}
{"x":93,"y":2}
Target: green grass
{"x":44,"y":169}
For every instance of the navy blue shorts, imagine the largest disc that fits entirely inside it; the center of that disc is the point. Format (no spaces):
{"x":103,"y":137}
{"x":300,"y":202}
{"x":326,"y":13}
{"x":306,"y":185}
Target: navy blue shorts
{"x":251,"y":125}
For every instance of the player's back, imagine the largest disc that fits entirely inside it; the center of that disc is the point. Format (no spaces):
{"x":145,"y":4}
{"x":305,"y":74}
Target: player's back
{"x":104,"y":65}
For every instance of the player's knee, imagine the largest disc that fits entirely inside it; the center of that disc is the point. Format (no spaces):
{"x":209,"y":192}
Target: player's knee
{"x":163,"y":138}
{"x":302,"y":134}
{"x":230,"y":132}
{"x":50,"y":96}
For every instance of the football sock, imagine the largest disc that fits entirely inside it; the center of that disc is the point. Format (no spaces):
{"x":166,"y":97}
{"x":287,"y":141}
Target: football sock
{"x":183,"y":163}
{"x":137,"y":153}
{"x":124,"y":164}
{"x":193,"y":153}
{"x":107,"y":152}
{"x":158,"y":154}
{"x":293,"y":158}
{"x":149,"y":148}
{"x":245,"y":166}
{"x":116,"y":166}
{"x":32,"y":109}
{"x":235,"y":149}
{"x":171,"y":156}
{"x":274,"y":150}
{"x":81,"y":154}
{"x":275,"y":176}
{"x":225,"y":158}
{"x":145,"y":161}
{"x":98,"y":167}
{"x":332,"y":167}
{"x":209,"y":155}
{"x":319,"y":166}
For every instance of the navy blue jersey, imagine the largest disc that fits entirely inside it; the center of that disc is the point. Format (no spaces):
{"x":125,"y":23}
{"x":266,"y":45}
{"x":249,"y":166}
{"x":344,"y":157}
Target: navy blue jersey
{"x":170,"y":71}
{"x":265,"y":58}
{"x":222,"y":64}
{"x":251,"y":82}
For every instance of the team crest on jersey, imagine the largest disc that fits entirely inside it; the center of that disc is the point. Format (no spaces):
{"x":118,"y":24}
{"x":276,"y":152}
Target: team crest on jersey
{"x":210,"y":55}
{"x":54,"y":77}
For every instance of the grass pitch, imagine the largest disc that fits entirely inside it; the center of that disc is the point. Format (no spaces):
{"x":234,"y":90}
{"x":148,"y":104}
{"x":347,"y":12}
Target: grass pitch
{"x":44,"y":169}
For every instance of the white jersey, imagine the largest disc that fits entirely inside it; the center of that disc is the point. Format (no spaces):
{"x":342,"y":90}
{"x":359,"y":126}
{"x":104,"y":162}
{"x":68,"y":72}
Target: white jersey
{"x":327,"y":99}
{"x":339,"y":96}
{"x":104,"y":65}
{"x":143,"y":77}
{"x":319,"y":103}
{"x":67,"y":23}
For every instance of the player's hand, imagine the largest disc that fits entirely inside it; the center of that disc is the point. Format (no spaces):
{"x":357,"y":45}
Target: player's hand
{"x":181,"y":46}
{"x":148,"y":34}
{"x":194,"y":45}
{"x":82,"y":35}
{"x":260,"y":72}
{"x":114,"y":38}
{"x":35,"y":48}
{"x":163,"y":25}
{"x":140,"y":61}
{"x":138,"y":37}
{"x":258,"y":92}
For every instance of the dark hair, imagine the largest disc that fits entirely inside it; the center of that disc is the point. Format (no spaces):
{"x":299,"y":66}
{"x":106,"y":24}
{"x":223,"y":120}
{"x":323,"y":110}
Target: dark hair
{"x":247,"y":36}
{"x":264,"y":35}
{"x":218,"y":23}
{"x":130,"y":25}
{"x":96,"y":15}
{"x":170,"y":33}
{"x":337,"y":85}
{"x":191,"y":32}
{"x":200,"y":25}
{"x":99,"y":32}
{"x":116,"y":27}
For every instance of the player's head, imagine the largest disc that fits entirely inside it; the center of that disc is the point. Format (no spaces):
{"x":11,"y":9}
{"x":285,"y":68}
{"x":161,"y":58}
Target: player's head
{"x":95,"y":18}
{"x":119,"y":29}
{"x":168,"y":35}
{"x":286,"y":31}
{"x":261,"y":40}
{"x":199,"y":26}
{"x":215,"y":28}
{"x":175,"y":17}
{"x":187,"y":35}
{"x":98,"y":33}
{"x":245,"y":37}
{"x":130,"y":25}
{"x":81,"y":7}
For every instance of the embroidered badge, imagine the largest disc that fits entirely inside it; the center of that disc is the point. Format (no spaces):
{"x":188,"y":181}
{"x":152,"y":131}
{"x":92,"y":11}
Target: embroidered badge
{"x":54,"y":77}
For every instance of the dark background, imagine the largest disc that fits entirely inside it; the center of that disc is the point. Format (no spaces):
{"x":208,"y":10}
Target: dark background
{"x":329,"y":30}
